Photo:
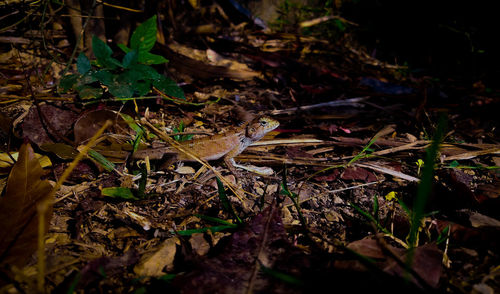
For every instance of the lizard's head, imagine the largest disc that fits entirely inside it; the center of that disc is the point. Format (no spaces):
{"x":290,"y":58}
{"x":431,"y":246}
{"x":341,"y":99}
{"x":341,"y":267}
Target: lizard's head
{"x":260,"y":126}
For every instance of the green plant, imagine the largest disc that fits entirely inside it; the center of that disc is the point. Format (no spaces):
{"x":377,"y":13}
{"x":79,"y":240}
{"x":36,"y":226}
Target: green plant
{"x":131,"y":77}
{"x":180,"y":129}
{"x":225,"y":225}
{"x":417,"y":213}
{"x":226,"y":204}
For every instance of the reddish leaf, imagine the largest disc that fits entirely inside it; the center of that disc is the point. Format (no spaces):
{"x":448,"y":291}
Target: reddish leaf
{"x":90,"y":122}
{"x":59,"y":119}
{"x":18,"y":208}
{"x":330,"y":177}
{"x":230,"y":272}
{"x":426,"y":259}
{"x":357,"y":173}
{"x":426,"y":263}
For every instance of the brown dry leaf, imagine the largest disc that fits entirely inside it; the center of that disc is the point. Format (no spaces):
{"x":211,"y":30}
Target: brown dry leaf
{"x":261,"y":242}
{"x":59,"y":123}
{"x":479,"y":220}
{"x":426,"y":263}
{"x":88,"y":124}
{"x":18,"y":208}
{"x":426,"y":260}
{"x":357,"y":173}
{"x":369,"y":247}
{"x":202,"y":70}
{"x":329,"y":177}
{"x":63,"y":151}
{"x":199,"y":244}
{"x":153,"y":265}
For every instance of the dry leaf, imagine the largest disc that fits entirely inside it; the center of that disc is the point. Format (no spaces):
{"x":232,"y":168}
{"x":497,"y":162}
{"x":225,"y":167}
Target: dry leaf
{"x":154,"y":264}
{"x":18,"y":208}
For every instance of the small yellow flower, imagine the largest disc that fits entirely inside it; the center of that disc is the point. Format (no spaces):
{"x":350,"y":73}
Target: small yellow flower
{"x":391,"y":196}
{"x":419,"y":164}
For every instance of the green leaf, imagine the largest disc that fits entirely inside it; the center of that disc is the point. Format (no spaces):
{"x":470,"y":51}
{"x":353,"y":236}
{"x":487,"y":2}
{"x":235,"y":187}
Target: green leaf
{"x":82,"y":63}
{"x":289,"y":279}
{"x":108,"y":165}
{"x":150,"y":58}
{"x":225,"y":201}
{"x":215,"y":220}
{"x":142,"y":88}
{"x":139,"y":131}
{"x":169,"y":87}
{"x":119,"y":192}
{"x":443,"y":236}
{"x":101,"y":50}
{"x":130,"y":59}
{"x":104,"y":76}
{"x":145,"y":71}
{"x":178,"y":129}
{"x":86,"y":79}
{"x":129,"y":76}
{"x":144,"y":37}
{"x":131,"y":123}
{"x":124,"y":48}
{"x":67,"y":82}
{"x":425,"y":185}
{"x":204,"y":230}
{"x":137,"y":141}
{"x":89,"y":92}
{"x":121,"y":90}
{"x":111,"y":63}
{"x":142,"y":181}
{"x":103,"y":54}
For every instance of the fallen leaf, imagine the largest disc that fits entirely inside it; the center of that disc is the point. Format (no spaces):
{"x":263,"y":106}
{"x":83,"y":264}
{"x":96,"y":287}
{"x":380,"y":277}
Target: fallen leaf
{"x":90,"y":122}
{"x":60,"y":120}
{"x":260,"y":242}
{"x":163,"y":256}
{"x":18,"y":208}
{"x":478,"y":220}
{"x":106,"y":267}
{"x":357,"y":173}
{"x":426,"y":259}
{"x":426,"y":263}
{"x":199,"y":244}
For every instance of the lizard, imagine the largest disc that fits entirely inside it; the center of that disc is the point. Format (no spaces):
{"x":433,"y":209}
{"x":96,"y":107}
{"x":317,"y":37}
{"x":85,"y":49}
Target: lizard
{"x":226,"y":145}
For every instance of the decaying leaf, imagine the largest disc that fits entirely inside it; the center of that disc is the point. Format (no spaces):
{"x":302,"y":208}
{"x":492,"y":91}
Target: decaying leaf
{"x":102,"y":267}
{"x":260,"y":243}
{"x":153,"y":265}
{"x":18,"y":208}
{"x":426,"y":259}
{"x":88,"y":124}
{"x":56,"y":123}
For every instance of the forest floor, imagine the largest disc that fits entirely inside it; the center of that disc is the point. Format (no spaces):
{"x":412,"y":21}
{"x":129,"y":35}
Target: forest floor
{"x":379,"y":175}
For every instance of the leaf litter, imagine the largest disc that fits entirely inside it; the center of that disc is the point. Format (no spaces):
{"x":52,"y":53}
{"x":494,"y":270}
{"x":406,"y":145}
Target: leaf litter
{"x":329,"y":113}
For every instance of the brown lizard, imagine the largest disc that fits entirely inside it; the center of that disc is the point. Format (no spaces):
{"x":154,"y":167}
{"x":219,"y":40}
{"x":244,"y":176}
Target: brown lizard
{"x":226,"y":145}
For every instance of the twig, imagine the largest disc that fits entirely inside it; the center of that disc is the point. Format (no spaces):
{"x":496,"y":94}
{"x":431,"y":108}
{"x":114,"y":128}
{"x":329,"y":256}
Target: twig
{"x":388,"y":171}
{"x":354,"y":102}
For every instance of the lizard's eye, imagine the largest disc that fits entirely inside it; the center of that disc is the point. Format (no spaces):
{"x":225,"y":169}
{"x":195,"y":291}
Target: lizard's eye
{"x":263,"y":123}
